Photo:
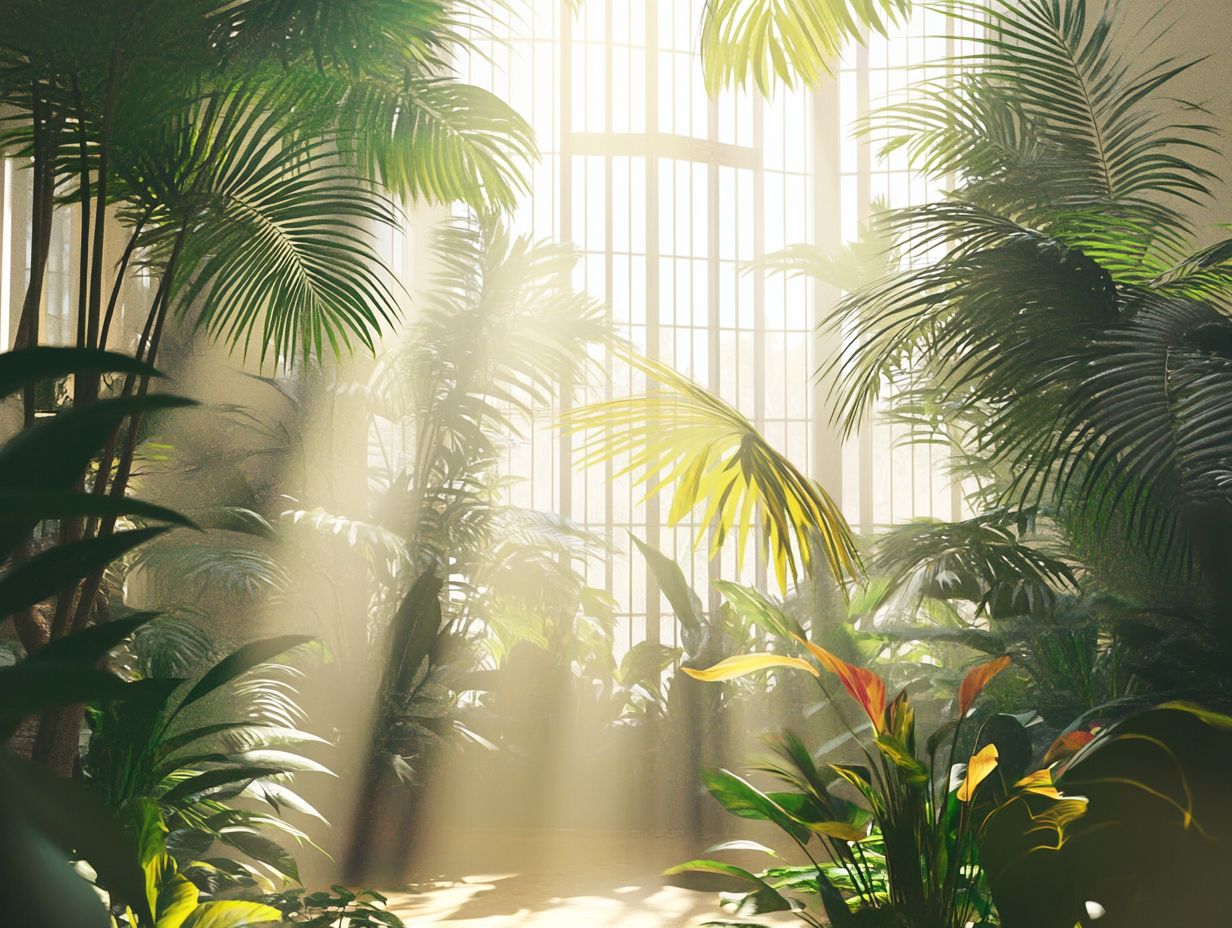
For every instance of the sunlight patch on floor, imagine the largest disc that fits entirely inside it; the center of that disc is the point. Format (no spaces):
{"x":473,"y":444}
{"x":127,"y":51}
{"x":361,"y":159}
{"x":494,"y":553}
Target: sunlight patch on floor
{"x":545,"y":901}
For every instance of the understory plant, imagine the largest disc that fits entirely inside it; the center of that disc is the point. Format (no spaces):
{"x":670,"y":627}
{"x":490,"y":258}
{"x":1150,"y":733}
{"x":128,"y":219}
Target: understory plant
{"x":190,"y":749}
{"x":174,"y":900}
{"x":338,"y":908}
{"x":904,"y":854}
{"x":51,"y":827}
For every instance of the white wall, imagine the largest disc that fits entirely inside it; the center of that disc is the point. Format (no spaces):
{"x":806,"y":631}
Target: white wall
{"x":1196,"y":29}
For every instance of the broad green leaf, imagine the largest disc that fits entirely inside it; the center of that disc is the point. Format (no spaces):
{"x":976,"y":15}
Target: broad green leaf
{"x":741,"y":798}
{"x":59,"y":568}
{"x":667,"y":573}
{"x":28,"y":365}
{"x":767,"y":898}
{"x":232,"y":913}
{"x":177,"y":899}
{"x":759,"y":610}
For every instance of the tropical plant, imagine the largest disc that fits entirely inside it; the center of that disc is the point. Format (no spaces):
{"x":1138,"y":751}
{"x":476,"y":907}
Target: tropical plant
{"x":239,"y":147}
{"x":46,"y":822}
{"x":1066,"y":321}
{"x":173,"y":748}
{"x":992,"y":585}
{"x":927,"y":819}
{"x":50,"y":827}
{"x":1146,"y":846}
{"x":712,"y":456}
{"x":338,"y":908}
{"x":173,"y":898}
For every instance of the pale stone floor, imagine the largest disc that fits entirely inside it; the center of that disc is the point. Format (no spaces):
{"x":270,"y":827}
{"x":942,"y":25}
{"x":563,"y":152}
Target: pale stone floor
{"x":561,"y":880}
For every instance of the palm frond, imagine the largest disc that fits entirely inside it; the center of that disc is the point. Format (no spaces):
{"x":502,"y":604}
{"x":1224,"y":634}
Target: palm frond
{"x":1051,"y":112}
{"x":683,"y":437}
{"x":1049,"y":299}
{"x":229,"y":569}
{"x":278,"y":239}
{"x":983,"y":560}
{"x":173,"y":645}
{"x":792,"y":41}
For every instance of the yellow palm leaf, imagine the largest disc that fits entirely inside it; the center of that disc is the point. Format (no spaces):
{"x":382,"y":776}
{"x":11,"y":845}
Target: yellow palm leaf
{"x":681,"y":437}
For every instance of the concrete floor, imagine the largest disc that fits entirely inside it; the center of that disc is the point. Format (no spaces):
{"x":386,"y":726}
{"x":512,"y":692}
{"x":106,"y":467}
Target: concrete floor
{"x":556,"y":880}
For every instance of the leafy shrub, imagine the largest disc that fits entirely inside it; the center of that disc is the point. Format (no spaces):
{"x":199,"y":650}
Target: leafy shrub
{"x":339,"y":908}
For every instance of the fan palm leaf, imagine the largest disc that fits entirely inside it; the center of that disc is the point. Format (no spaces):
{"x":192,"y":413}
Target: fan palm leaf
{"x":785,"y":40}
{"x":684,"y":437}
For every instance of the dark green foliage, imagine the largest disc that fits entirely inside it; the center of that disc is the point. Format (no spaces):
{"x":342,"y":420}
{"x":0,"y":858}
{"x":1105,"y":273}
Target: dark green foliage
{"x":244,"y":145}
{"x":46,"y":821}
{"x":1063,"y":316}
{"x":339,"y":907}
{"x":157,"y":747}
{"x":1152,"y":844}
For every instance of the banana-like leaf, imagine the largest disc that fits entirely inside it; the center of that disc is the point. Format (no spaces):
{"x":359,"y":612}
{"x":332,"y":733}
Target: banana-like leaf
{"x":232,"y":913}
{"x":28,"y":365}
{"x":48,"y":573}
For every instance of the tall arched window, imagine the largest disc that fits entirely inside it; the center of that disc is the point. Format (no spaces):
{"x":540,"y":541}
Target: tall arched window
{"x":670,"y":196}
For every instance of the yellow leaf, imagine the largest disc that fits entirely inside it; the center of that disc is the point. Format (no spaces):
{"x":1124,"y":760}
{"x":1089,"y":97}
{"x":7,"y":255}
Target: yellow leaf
{"x":743,"y":664}
{"x":1039,"y":783}
{"x":978,"y":768}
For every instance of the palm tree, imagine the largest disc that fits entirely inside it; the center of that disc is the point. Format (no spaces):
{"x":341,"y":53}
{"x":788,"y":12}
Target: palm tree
{"x":501,"y":335}
{"x":1068,"y":322}
{"x":247,"y":149}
